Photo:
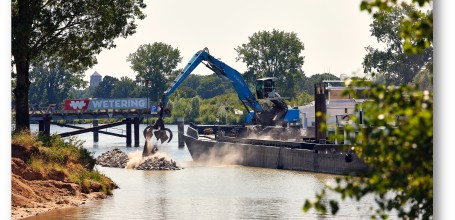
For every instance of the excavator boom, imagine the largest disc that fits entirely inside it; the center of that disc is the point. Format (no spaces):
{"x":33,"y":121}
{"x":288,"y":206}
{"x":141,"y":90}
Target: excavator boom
{"x":249,"y":101}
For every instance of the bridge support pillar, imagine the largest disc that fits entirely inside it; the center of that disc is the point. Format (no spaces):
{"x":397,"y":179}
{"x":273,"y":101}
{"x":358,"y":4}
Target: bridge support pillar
{"x":128,"y":132}
{"x":136,"y":131}
{"x":41,"y":125}
{"x":45,"y":125}
{"x":181,"y":131}
{"x":95,"y":133}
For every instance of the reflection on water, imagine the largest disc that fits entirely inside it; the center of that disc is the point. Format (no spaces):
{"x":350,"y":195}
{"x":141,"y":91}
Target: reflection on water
{"x":200,"y":192}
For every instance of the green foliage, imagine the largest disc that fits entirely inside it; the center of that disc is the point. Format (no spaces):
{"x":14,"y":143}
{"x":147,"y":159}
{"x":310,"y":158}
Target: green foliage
{"x":397,"y":137}
{"x":180,"y":108}
{"x":307,"y":83}
{"x":86,"y":179}
{"x":88,"y":92}
{"x":396,"y":141}
{"x":194,"y":110}
{"x":416,"y":30}
{"x":218,"y":107}
{"x":394,"y":63}
{"x":23,"y":138}
{"x":424,"y":79}
{"x":105,"y":88}
{"x":193,"y":81}
{"x":212,"y":85}
{"x":51,"y":83}
{"x":74,"y":31}
{"x":204,"y":86}
{"x":125,"y":88}
{"x":112,"y":87}
{"x":155,"y":62}
{"x":274,"y":53}
{"x":301,"y":99}
{"x":186,"y":92}
{"x":57,"y":150}
{"x":206,"y":111}
{"x":55,"y":154}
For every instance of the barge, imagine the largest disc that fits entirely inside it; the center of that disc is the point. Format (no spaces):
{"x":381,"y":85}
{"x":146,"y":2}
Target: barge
{"x":274,"y":154}
{"x":300,"y":146}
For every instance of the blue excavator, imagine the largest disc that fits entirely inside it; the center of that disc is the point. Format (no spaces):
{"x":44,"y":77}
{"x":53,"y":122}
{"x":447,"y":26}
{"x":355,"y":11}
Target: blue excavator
{"x":279,"y":114}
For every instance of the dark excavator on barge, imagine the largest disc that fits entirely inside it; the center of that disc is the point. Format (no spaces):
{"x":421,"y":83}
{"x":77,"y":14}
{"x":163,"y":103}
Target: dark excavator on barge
{"x":277,"y":137}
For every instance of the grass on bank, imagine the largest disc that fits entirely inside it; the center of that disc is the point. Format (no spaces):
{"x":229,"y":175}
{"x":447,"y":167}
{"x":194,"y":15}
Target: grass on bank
{"x":66,"y":157}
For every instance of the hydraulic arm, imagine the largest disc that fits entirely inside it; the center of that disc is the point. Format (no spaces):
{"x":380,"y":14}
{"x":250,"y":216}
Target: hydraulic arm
{"x":220,"y":69}
{"x":223,"y":71}
{"x":264,"y":117}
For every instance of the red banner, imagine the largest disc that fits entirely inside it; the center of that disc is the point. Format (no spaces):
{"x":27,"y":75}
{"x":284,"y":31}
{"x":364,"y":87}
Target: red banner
{"x":77,"y":104}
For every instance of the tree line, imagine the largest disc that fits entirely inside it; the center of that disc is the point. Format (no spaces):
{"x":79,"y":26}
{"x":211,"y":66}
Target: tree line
{"x":64,"y":36}
{"x":267,"y":54}
{"x":155,"y":68}
{"x":396,"y":136}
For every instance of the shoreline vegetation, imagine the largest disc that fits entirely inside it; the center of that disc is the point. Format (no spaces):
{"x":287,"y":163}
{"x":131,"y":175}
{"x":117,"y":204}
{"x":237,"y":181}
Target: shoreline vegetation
{"x":49,"y":173}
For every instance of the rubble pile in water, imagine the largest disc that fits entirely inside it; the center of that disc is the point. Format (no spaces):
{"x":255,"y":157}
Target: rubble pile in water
{"x":158,"y":163}
{"x":119,"y":159}
{"x":113,"y":158}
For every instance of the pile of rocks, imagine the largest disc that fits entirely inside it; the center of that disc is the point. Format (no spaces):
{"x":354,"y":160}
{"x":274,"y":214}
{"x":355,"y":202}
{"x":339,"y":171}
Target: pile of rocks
{"x":157,"y":163}
{"x":113,"y":158}
{"x":117,"y":158}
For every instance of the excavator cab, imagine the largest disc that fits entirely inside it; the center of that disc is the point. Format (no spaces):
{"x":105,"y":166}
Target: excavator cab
{"x":265,"y":88}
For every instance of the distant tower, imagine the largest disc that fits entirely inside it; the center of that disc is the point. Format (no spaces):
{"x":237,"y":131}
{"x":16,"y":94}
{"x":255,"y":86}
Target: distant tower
{"x":95,"y":79}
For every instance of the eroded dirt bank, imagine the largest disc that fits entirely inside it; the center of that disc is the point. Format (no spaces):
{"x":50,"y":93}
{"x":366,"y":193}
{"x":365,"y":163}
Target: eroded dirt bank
{"x":37,"y":191}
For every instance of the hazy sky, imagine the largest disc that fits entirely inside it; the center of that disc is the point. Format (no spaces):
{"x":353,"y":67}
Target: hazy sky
{"x":334,"y":32}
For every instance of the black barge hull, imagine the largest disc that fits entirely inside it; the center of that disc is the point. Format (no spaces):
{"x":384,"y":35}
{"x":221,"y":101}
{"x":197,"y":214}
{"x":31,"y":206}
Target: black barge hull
{"x":274,"y":155}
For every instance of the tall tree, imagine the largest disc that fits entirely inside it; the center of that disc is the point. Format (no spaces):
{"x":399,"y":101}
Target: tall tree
{"x":308,"y":82}
{"x":393,"y":63}
{"x":51,"y":83}
{"x":74,"y":30}
{"x":396,"y":138}
{"x":105,"y":88}
{"x":125,"y":88}
{"x":272,"y":54}
{"x":155,"y":63}
{"x":416,"y":30}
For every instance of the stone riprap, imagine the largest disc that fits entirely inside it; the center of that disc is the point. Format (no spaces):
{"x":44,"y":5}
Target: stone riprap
{"x":113,"y":158}
{"x":119,"y":159}
{"x":158,"y":163}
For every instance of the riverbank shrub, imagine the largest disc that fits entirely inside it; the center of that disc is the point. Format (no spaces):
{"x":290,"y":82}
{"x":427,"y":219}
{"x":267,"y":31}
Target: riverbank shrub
{"x":66,"y":157}
{"x":396,"y":141}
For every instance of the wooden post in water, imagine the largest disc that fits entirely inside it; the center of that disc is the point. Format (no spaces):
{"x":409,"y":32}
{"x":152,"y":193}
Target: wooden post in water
{"x":320,"y":106}
{"x":181,"y":131}
{"x":128,"y":132}
{"x":95,"y":133}
{"x":47,"y":125}
{"x":136,"y":132}
{"x":41,"y":125}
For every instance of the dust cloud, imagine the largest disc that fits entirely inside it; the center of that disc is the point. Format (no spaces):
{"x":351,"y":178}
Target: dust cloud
{"x":135,"y":158}
{"x":260,"y":137}
{"x":224,"y":155}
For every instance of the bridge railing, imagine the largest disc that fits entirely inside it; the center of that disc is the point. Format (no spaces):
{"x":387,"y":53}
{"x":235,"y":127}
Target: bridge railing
{"x":57,"y":112}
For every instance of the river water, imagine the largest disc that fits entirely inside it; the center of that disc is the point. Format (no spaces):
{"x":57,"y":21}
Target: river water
{"x":201,"y":192}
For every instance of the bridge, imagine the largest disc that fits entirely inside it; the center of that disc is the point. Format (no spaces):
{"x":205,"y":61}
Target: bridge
{"x":129,"y":112}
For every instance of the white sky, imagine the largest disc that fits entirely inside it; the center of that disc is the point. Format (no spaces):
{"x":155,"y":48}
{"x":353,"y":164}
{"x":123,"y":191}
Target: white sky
{"x":334,"y":32}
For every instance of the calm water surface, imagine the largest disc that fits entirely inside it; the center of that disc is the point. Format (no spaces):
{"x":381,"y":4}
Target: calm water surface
{"x":200,"y":191}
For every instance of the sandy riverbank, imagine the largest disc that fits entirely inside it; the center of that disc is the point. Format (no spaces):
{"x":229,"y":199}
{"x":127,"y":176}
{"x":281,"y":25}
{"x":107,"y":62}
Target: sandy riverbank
{"x":34,"y":192}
